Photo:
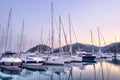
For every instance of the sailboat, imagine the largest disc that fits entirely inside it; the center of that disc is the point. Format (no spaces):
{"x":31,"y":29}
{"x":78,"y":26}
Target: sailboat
{"x":74,"y":58}
{"x":29,"y":59}
{"x":87,"y":56}
{"x":52,"y":59}
{"x":9,"y":59}
{"x":100,"y":54}
{"x":66,"y":58}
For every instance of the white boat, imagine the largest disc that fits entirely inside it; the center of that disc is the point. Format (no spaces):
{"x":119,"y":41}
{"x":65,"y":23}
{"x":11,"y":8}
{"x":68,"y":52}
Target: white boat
{"x":86,"y":56}
{"x":10,"y":59}
{"x":66,"y":58}
{"x":76,"y":58}
{"x":54,"y":60}
{"x":31,"y":59}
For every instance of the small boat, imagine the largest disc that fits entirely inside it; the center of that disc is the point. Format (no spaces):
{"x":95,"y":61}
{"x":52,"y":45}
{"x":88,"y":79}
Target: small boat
{"x":76,"y":58}
{"x":66,"y":58}
{"x":54,"y":60}
{"x":86,"y":56}
{"x":31,"y":59}
{"x":10,"y":59}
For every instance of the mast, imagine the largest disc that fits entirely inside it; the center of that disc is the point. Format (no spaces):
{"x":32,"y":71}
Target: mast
{"x":7,"y":30}
{"x":99,"y":40}
{"x":70,"y":36}
{"x":52,"y":35}
{"x":92,"y":42}
{"x":59,"y":34}
{"x":21,"y":40}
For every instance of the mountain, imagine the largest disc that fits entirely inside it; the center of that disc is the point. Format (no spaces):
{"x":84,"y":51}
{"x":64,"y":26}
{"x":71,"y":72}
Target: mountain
{"x":113,"y":48}
{"x":83,"y":47}
{"x":41,"y":48}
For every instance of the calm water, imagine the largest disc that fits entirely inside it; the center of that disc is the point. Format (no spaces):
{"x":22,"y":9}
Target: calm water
{"x":104,"y":70}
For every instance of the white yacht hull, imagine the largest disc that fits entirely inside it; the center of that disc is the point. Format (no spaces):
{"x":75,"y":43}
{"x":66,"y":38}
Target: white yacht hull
{"x":54,"y":61}
{"x":76,"y":59}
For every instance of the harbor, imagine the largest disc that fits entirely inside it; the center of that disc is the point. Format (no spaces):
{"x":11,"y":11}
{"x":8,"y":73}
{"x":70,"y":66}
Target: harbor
{"x":59,"y":40}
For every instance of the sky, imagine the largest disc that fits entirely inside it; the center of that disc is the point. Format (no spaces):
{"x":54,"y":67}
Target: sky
{"x":85,"y":15}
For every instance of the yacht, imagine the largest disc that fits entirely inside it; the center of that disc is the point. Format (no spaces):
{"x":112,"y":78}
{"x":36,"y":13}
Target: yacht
{"x":76,"y":58}
{"x":10,"y":59}
{"x":86,"y":56}
{"x":54,"y":60}
{"x":31,"y":59}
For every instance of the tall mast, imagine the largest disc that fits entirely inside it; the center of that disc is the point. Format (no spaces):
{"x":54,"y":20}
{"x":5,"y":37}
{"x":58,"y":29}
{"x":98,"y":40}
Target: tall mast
{"x":21,"y":43}
{"x":52,"y":35}
{"x":59,"y":34}
{"x":99,"y":40}
{"x":7,"y":30}
{"x":92,"y":42}
{"x":70,"y":36}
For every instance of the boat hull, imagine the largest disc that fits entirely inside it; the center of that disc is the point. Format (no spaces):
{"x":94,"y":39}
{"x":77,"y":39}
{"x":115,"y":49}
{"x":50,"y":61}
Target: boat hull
{"x":10,"y":63}
{"x":88,"y":58}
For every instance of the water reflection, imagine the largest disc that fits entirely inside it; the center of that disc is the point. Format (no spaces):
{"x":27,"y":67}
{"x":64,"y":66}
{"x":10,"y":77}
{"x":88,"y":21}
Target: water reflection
{"x":104,"y":70}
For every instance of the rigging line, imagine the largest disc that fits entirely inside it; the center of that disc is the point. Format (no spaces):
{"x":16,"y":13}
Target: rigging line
{"x":94,"y":41}
{"x":103,"y":38}
{"x":74,"y":33}
{"x":65,"y":36}
{"x":104,"y":41}
{"x":73,"y":30}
